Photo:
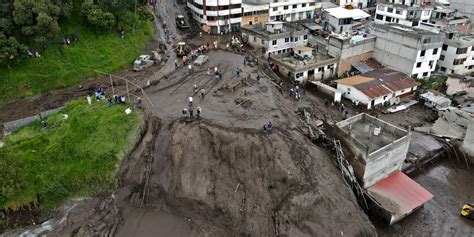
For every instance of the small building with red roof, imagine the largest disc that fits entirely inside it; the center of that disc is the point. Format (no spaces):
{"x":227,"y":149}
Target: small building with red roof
{"x":377,"y":88}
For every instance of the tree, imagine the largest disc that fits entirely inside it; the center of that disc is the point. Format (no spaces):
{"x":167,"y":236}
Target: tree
{"x":10,"y":49}
{"x":144,"y":14}
{"x":37,"y":19}
{"x":97,"y":18}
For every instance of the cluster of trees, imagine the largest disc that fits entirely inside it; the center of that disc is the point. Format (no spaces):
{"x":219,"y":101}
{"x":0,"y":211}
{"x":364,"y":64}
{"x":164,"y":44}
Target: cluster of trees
{"x":29,"y":22}
{"x":35,"y":22}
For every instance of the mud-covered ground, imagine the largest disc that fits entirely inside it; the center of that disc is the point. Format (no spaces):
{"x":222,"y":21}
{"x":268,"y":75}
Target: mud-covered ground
{"x":222,"y":176}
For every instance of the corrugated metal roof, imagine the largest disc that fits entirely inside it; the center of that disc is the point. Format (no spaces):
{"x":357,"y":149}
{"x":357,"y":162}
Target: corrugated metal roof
{"x":380,"y":82}
{"x":362,"y":67}
{"x":399,"y":194}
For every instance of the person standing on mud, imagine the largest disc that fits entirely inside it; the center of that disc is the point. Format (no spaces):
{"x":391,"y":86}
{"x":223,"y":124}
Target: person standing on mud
{"x":176,"y":64}
{"x":202,"y":93}
{"x":185,"y":112}
{"x":198,"y":112}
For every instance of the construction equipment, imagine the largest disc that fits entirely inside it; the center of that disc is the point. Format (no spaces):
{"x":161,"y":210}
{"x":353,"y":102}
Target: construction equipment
{"x":468,"y":211}
{"x":146,"y":61}
{"x":181,"y":49}
{"x":181,"y":22}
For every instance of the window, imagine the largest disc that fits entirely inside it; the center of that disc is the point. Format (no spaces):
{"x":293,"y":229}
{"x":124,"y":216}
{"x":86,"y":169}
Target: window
{"x":435,"y":51}
{"x":388,"y":19}
{"x":441,"y":57}
{"x":425,"y":74}
{"x":380,"y":8}
{"x":390,"y":9}
{"x":321,"y":69}
{"x":295,"y":6}
{"x":379,"y":17}
{"x":312,"y":4}
{"x":254,"y":39}
{"x":285,"y":7}
{"x":422,"y":53}
{"x":274,"y":42}
{"x":402,"y":91}
{"x":431,"y":63}
{"x":427,"y":41}
{"x":305,"y":37}
{"x":296,"y":39}
{"x":445,"y":47}
{"x":303,"y":5}
{"x":471,"y":67}
{"x":418,"y":64}
{"x":263,"y":41}
{"x":385,"y":97}
{"x":398,"y":12}
{"x":275,"y":9}
{"x":461,"y":51}
{"x":459,"y":61}
{"x":287,"y":40}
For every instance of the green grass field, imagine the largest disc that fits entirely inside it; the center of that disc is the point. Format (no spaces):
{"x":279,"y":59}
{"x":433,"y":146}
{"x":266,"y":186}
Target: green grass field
{"x":61,"y":66}
{"x":77,"y":156}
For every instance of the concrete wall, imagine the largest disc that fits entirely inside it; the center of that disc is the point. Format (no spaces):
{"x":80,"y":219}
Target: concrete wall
{"x":12,"y":126}
{"x":382,"y":163}
{"x":345,"y":64}
{"x":255,"y":19}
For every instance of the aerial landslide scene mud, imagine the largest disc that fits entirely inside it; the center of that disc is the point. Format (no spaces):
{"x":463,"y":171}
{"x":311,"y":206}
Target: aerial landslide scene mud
{"x":258,"y":155}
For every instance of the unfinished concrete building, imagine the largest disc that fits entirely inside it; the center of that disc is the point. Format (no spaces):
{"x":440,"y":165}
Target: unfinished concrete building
{"x":379,"y":148}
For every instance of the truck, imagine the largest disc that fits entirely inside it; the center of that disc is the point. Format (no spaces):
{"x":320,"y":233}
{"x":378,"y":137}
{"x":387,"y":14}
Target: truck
{"x":181,"y":49}
{"x":181,"y":22}
{"x":146,"y":61}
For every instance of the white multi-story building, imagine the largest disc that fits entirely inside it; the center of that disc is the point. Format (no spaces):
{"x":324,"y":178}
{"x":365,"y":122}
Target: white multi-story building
{"x":217,"y":16}
{"x":413,"y":51}
{"x":361,"y":4}
{"x":402,"y":14}
{"x":288,"y":10}
{"x":457,"y":55}
{"x":275,"y":37}
{"x":341,"y":20}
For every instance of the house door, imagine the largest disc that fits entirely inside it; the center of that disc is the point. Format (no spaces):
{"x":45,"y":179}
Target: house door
{"x":311,"y":75}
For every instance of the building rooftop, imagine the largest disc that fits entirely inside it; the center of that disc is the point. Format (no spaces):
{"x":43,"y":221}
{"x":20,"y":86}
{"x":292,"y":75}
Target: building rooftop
{"x":298,"y":65}
{"x":402,"y":6}
{"x":262,"y":28}
{"x":379,"y":82}
{"x":399,"y":195}
{"x":251,"y":7}
{"x":369,"y":133}
{"x":340,"y":12}
{"x":406,"y":30}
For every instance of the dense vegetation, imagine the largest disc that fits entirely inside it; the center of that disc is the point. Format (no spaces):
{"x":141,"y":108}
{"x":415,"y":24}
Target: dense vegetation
{"x":73,"y":157}
{"x":50,"y":44}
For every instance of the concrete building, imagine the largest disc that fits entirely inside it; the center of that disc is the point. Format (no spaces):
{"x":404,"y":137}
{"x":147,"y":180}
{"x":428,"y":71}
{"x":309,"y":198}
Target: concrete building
{"x":303,"y":64}
{"x":463,"y":6}
{"x":254,"y":14}
{"x":350,"y":49}
{"x":377,"y":151}
{"x":216,"y":16}
{"x":459,"y":84}
{"x":285,"y":10}
{"x":341,"y":20}
{"x":410,"y":50}
{"x":361,"y":4}
{"x":275,"y":37}
{"x":408,"y":2}
{"x":448,"y":19}
{"x":377,"y":88}
{"x":401,"y":14}
{"x":457,"y":54}
{"x":378,"y":148}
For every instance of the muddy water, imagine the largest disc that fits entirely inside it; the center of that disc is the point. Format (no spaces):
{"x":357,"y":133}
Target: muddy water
{"x":451,"y":185}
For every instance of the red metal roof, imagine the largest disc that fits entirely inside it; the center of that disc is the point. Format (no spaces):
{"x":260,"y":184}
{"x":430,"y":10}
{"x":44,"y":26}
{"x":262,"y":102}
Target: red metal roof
{"x":399,"y":194}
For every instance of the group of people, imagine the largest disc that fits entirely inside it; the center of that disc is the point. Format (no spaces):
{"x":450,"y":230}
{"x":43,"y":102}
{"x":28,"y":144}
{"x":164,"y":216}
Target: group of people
{"x":190,"y":111}
{"x":295,"y":92}
{"x":115,"y":99}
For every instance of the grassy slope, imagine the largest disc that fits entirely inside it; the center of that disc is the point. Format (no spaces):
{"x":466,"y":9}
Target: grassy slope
{"x":62,"y":66}
{"x":74,"y":157}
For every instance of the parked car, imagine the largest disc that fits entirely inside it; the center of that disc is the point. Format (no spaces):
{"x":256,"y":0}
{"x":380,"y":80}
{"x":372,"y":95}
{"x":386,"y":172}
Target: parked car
{"x":201,"y":59}
{"x":145,"y":61}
